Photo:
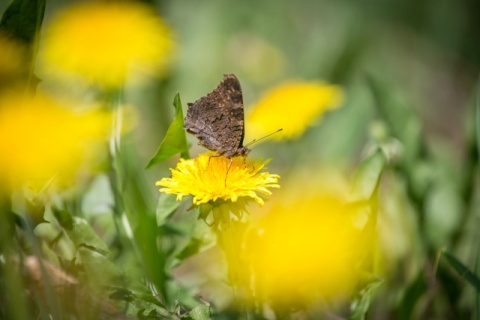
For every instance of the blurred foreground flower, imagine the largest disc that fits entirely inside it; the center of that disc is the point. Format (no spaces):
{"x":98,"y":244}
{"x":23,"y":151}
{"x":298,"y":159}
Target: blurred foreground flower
{"x":40,"y":140}
{"x":309,"y":247}
{"x":212,"y":179}
{"x":104,"y":41}
{"x":292,"y":106}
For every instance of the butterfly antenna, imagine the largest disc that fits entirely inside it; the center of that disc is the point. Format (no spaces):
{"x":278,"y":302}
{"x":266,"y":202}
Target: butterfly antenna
{"x":257,"y":140}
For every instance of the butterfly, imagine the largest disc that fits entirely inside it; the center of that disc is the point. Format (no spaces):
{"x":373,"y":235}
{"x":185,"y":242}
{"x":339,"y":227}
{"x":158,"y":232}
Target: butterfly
{"x":217,"y":119}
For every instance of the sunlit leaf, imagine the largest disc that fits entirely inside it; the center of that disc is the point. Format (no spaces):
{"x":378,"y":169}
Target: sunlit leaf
{"x":175,"y":140}
{"x":368,"y":175}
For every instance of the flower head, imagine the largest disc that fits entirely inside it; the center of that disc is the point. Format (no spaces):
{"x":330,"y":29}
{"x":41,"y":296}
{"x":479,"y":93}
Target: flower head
{"x":210,"y":178}
{"x":308,"y":246}
{"x":40,"y":139}
{"x":292,"y":106}
{"x":103,"y":41}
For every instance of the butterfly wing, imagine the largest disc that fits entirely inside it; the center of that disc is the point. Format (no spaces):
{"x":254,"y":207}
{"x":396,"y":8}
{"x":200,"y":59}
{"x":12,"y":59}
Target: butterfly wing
{"x":217,"y":119}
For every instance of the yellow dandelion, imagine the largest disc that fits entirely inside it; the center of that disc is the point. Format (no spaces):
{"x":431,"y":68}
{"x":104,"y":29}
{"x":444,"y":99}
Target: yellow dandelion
{"x":210,"y":179}
{"x":308,"y":246}
{"x":292,"y":106}
{"x":104,"y":41}
{"x":41,"y":140}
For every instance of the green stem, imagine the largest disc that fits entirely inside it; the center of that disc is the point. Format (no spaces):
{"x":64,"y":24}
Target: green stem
{"x":13,"y":287}
{"x":230,"y":235}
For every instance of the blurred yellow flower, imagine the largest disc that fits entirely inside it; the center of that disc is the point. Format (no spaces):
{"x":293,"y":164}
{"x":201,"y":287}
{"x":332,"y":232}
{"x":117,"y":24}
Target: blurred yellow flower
{"x":292,"y":106}
{"x":308,"y":247}
{"x":210,"y":178}
{"x":104,"y":41}
{"x":40,"y":140}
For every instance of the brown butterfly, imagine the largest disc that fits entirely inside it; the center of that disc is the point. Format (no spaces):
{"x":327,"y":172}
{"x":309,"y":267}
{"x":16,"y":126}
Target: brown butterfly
{"x":217,"y":119}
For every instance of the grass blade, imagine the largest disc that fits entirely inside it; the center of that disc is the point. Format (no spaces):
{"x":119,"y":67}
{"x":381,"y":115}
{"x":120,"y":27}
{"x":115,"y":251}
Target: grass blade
{"x":461,"y":269}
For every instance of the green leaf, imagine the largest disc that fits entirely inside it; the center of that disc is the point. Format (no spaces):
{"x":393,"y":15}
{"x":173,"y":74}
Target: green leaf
{"x":166,"y":207}
{"x":477,"y":298}
{"x":190,"y":249}
{"x":204,"y":211}
{"x":402,"y":122}
{"x":413,"y":293}
{"x":461,"y":269}
{"x":477,"y":116}
{"x":22,"y":21}
{"x":175,"y":140}
{"x":99,"y":269}
{"x":90,"y":248}
{"x":80,"y":232}
{"x":367,"y":177}
{"x":200,"y":312}
{"x":361,"y":303}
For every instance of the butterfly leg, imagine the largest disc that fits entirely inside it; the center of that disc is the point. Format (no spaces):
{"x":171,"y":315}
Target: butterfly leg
{"x":208,"y":163}
{"x":228,"y":169}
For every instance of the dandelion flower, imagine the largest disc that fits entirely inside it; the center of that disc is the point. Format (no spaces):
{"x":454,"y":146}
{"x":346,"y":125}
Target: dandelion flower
{"x":104,"y":41}
{"x":213,"y":179}
{"x":308,"y":246}
{"x":40,"y":139}
{"x":292,"y":106}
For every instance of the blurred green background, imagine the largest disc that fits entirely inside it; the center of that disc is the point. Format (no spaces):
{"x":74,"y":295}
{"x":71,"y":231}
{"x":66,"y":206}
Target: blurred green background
{"x":424,"y":51}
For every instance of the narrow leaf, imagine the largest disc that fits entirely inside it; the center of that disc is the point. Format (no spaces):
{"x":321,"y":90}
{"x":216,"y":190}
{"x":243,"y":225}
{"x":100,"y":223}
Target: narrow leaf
{"x":175,"y":140}
{"x":477,"y":116}
{"x":368,"y":175}
{"x":413,"y":293}
{"x":477,"y":296}
{"x":461,"y":269}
